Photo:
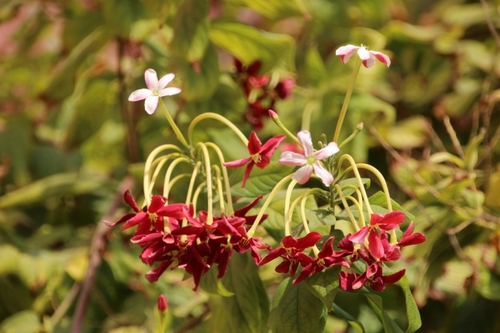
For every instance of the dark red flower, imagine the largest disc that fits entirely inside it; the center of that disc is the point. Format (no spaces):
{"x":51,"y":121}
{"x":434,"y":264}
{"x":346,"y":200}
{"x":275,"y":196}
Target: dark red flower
{"x":260,"y":154}
{"x":372,"y":276}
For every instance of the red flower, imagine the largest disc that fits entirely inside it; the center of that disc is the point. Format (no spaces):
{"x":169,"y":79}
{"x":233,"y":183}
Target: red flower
{"x":411,"y":239}
{"x":385,"y":222}
{"x":260,"y":154}
{"x":291,"y":252}
{"x":373,"y":276}
{"x":326,"y":258}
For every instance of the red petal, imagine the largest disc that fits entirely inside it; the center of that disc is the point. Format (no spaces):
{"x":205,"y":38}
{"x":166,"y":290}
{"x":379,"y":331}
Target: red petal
{"x":271,"y":145}
{"x":375,"y":244}
{"x":157,"y":202}
{"x":254,"y":144}
{"x":129,"y":200}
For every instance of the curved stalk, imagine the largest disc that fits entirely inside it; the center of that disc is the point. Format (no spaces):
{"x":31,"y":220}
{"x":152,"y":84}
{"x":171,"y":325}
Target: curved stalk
{"x":215,"y":116}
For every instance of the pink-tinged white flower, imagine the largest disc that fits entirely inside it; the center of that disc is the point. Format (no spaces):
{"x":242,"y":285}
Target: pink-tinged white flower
{"x":367,"y":57}
{"x":156,"y":89}
{"x":310,"y":160}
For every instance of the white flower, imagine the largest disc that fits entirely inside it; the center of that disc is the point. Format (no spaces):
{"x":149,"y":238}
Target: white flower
{"x":368,"y":57}
{"x":310,"y":161}
{"x":156,"y":89}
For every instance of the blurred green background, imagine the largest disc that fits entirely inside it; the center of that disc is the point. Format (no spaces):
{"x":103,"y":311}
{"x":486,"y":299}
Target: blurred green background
{"x":71,"y":143}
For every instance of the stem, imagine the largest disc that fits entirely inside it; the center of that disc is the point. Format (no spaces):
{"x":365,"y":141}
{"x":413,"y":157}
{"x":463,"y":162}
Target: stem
{"x":347,"y":98}
{"x":306,"y":115}
{"x":196,"y":170}
{"x":304,"y":218}
{"x":288,"y":218}
{"x":171,"y":182}
{"x":358,"y":178}
{"x":196,"y":195}
{"x":346,"y":207}
{"x":168,"y":174}
{"x":278,"y":122}
{"x":208,"y":177}
{"x":147,"y":169}
{"x":225,"y":176}
{"x":251,"y":231}
{"x":382,"y":181}
{"x":352,"y":136}
{"x":215,"y":116}
{"x":172,"y":123}
{"x":220,"y":191}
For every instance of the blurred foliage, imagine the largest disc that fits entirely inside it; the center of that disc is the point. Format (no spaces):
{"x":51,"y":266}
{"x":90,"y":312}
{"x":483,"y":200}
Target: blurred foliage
{"x":69,"y":138}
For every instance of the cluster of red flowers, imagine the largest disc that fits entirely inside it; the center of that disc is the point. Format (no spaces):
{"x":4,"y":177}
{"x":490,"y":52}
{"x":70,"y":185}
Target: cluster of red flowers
{"x":369,"y":244}
{"x":260,"y":96}
{"x":171,"y":237}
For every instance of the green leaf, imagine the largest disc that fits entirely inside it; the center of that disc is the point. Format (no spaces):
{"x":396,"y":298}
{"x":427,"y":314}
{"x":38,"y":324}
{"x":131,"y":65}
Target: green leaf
{"x":348,"y":185}
{"x":412,"y":313}
{"x":10,"y":259}
{"x":376,"y":304}
{"x":350,"y":319}
{"x":120,"y":15}
{"x":200,"y":81}
{"x":248,"y":310}
{"x":273,"y":10}
{"x":325,"y":285}
{"x":25,"y":321}
{"x":260,"y":180}
{"x":249,"y":44}
{"x":15,"y":135}
{"x":39,"y":191}
{"x":411,"y":132}
{"x":471,"y":151}
{"x":191,"y":29}
{"x":63,"y":80}
{"x":211,"y":284}
{"x":298,"y":310}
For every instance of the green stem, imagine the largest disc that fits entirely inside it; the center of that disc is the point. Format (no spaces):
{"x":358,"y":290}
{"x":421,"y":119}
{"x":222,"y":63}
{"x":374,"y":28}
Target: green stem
{"x":208,"y":172}
{"x":352,"y":136}
{"x":347,"y":98}
{"x":306,"y":115}
{"x":278,"y":122}
{"x":172,"y":123}
{"x":346,"y":207}
{"x":287,"y":214}
{"x":169,"y":172}
{"x":215,"y":116}
{"x":225,"y":175}
{"x":276,"y":188}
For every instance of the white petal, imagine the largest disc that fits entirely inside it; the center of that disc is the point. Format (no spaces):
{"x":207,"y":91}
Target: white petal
{"x":151,"y":104}
{"x":302,"y":175}
{"x":322,"y":173}
{"x":165,"y":79}
{"x":289,"y":158}
{"x":139,"y":95}
{"x":306,"y":142}
{"x":151,"y":79}
{"x":346,"y":50}
{"x":328,"y":151}
{"x":363,"y":53}
{"x":169,"y":91}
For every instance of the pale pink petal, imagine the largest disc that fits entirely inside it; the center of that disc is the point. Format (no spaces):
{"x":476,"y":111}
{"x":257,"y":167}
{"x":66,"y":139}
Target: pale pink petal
{"x":139,"y":95}
{"x":345,"y":52}
{"x":151,"y":79}
{"x":323,"y":174}
{"x":165,"y":79}
{"x":306,"y":142}
{"x":169,"y":92}
{"x":383,"y":58}
{"x":302,"y":175}
{"x":363,"y":53}
{"x":328,"y":151}
{"x":359,"y":236}
{"x":289,"y":158}
{"x":151,"y":104}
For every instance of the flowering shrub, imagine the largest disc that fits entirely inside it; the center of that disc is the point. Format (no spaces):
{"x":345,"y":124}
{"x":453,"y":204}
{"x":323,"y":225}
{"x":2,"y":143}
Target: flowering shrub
{"x":198,"y":240}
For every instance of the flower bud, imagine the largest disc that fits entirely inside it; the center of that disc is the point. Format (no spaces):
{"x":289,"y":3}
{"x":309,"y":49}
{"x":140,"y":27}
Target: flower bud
{"x":273,"y":114}
{"x":162,"y":303}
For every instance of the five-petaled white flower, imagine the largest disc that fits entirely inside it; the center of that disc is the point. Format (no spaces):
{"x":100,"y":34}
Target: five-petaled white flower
{"x":156,"y":89}
{"x":310,"y":161}
{"x":368,"y":57}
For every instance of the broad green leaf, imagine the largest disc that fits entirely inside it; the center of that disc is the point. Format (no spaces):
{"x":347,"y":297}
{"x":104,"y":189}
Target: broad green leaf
{"x":412,"y":312}
{"x":25,"y":321}
{"x":62,"y":81}
{"x":121,"y":14}
{"x":388,"y":323}
{"x":15,"y":146}
{"x":211,"y":284}
{"x":38,"y":191}
{"x":274,"y":10}
{"x":356,"y":325}
{"x":471,"y":152}
{"x":464,"y":15}
{"x":248,"y":310}
{"x":349,"y":185}
{"x":298,"y":310}
{"x":319,"y":217}
{"x":86,"y":112}
{"x":191,"y":29}
{"x":261,"y":181}
{"x":408,"y":133}
{"x":200,"y":80}
{"x":325,"y":285}
{"x":249,"y":44}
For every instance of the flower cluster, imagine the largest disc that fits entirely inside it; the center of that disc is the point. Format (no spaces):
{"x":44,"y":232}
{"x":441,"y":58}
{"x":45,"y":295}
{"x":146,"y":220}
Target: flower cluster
{"x":260,"y":96}
{"x":171,"y":236}
{"x":370,"y":244}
